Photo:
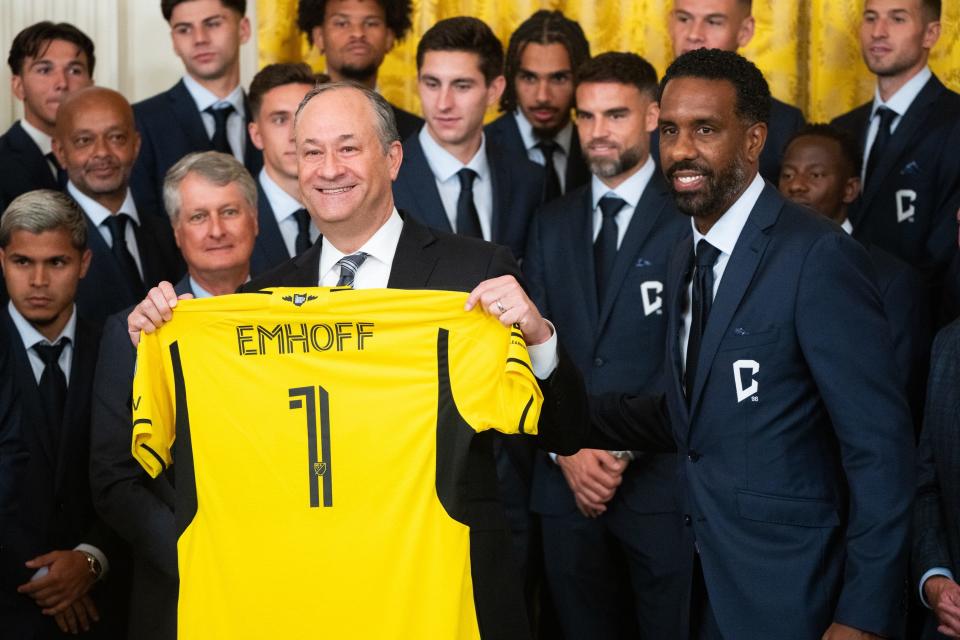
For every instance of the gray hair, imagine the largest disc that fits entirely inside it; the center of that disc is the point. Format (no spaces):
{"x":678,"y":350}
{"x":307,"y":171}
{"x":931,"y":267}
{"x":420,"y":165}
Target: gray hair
{"x":217,"y":168}
{"x":44,"y":210}
{"x":386,"y":123}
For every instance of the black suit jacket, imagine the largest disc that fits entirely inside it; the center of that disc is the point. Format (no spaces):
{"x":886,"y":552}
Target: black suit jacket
{"x":407,"y":123}
{"x":505,"y":130}
{"x":51,"y":505}
{"x":138,"y":507}
{"x":517,"y":186}
{"x":909,"y":205}
{"x":171,"y":127}
{"x":104,"y":290}
{"x":22,"y":166}
{"x":269,"y":250}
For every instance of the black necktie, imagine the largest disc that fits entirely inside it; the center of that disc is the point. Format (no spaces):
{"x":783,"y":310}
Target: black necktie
{"x":468,"y":221}
{"x":117,"y":224}
{"x":303,"y":231}
{"x":551,"y":179}
{"x":348,"y":268}
{"x":880,"y":142}
{"x":61,"y":173}
{"x":702,"y":299}
{"x":219,"y":140}
{"x":605,"y":246}
{"x":53,"y":384}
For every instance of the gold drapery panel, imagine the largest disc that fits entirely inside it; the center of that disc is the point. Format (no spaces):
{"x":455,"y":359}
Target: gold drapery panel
{"x":809,"y":50}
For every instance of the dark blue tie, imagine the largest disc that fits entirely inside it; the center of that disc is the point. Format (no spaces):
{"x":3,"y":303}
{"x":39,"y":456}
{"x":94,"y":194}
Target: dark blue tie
{"x":702,"y":299}
{"x":605,"y":246}
{"x":219,"y":140}
{"x":117,"y":225}
{"x":551,"y":179}
{"x":53,"y":385}
{"x":468,"y":221}
{"x":303,"y":230}
{"x":880,"y":142}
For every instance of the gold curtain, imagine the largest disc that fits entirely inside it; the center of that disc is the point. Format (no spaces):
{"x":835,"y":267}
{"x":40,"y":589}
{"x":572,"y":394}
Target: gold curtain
{"x":808,"y":49}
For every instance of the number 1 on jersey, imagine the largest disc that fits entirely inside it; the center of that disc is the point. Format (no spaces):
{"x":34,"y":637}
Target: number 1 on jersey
{"x":317,"y":467}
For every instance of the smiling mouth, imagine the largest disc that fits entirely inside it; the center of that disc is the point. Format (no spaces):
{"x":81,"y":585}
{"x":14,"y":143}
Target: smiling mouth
{"x":335,"y":191}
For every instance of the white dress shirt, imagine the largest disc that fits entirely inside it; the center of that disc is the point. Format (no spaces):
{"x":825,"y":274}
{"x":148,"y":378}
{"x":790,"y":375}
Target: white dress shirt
{"x":723,"y":235}
{"x":42,"y":140}
{"x":564,"y":138}
{"x":445,"y":167}
{"x":630,"y":191}
{"x":236,"y":121}
{"x":899,"y":102}
{"x":98,"y":214}
{"x":284,"y":207}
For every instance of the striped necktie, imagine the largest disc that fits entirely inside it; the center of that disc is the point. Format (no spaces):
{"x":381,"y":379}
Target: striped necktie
{"x":348,"y":268}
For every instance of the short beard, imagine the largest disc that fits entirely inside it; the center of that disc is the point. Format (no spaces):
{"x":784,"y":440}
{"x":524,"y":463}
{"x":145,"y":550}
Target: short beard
{"x":360,"y":74}
{"x":721,"y":189}
{"x":609,"y":168}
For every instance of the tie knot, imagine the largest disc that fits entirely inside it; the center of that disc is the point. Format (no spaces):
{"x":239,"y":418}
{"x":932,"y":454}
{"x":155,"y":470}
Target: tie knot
{"x":611,"y":205}
{"x":349,"y":266}
{"x":467,"y":176}
{"x":548,"y":147}
{"x":52,"y":158}
{"x":117,"y":224}
{"x":220,"y":113}
{"x":50,"y":353}
{"x":707,"y":254}
{"x":302,"y":216}
{"x":887,"y":115}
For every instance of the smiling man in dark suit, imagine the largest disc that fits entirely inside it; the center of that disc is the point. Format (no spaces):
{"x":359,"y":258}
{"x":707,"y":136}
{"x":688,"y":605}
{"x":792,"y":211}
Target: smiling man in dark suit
{"x":540,"y":71}
{"x":55,"y":553}
{"x":596,"y":264}
{"x":207,"y":109}
{"x":793,"y":434}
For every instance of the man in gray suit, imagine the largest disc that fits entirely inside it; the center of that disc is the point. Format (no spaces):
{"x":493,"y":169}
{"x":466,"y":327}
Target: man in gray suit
{"x":212,"y":202}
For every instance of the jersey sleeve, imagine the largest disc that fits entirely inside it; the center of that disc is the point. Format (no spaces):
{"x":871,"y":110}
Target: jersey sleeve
{"x":153,"y":407}
{"x":492,"y":379}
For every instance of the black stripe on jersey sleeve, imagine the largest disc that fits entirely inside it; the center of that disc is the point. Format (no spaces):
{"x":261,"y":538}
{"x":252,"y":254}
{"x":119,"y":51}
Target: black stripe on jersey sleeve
{"x":521,"y":362}
{"x":163,"y":465}
{"x":186,"y":482}
{"x":523,"y":416}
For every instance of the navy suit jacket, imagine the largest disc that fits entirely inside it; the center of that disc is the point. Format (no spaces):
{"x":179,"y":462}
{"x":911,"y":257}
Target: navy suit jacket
{"x":507,"y":133}
{"x":909,"y":205}
{"x":795,"y":452}
{"x":517,"y":189}
{"x":22,"y":166}
{"x":171,"y":127}
{"x":104,"y":290}
{"x":407,"y":123}
{"x":50,"y":506}
{"x":616,"y":343}
{"x":269,"y":249}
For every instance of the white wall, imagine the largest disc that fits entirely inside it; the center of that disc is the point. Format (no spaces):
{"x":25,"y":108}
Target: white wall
{"x":132,"y":40}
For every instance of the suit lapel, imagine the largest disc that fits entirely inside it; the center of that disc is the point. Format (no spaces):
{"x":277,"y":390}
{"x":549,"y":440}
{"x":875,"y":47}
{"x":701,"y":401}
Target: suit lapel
{"x":500,"y":188}
{"x":678,"y":273}
{"x":189,"y":119}
{"x":413,"y":262}
{"x":269,"y":239}
{"x":35,"y":163}
{"x":422,"y":186}
{"x":82,"y":366}
{"x":578,"y":251}
{"x":577,"y":171}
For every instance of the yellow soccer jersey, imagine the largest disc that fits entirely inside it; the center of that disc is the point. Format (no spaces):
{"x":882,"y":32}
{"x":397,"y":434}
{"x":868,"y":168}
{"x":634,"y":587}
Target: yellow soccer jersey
{"x":333,"y":468}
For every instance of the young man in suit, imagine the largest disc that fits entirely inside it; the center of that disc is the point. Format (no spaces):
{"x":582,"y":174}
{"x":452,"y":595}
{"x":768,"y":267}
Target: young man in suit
{"x":454,"y":178}
{"x":783,"y":402}
{"x":207,"y":109}
{"x":133,"y":249}
{"x":729,"y":25}
{"x":55,"y":553}
{"x":596,"y":264}
{"x":354,"y":36}
{"x":212,"y":200}
{"x":540,"y":70}
{"x":47,"y":62}
{"x":285,"y":226}
{"x":821,"y":170}
{"x":909,"y":133}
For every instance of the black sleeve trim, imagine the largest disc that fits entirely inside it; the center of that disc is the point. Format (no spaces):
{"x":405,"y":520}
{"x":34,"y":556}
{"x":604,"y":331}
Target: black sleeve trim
{"x":519,"y":361}
{"x":163,"y":465}
{"x":142,"y":421}
{"x":523,"y":416}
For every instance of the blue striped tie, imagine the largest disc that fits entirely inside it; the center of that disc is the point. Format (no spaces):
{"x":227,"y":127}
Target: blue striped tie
{"x":348,"y":268}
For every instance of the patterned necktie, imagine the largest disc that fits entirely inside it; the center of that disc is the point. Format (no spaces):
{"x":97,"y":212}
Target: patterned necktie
{"x":219,"y":140}
{"x":53,"y":384}
{"x":880,"y":143}
{"x":348,"y":268}
{"x":117,"y":225}
{"x":551,"y":179}
{"x":468,"y":221}
{"x":605,"y":246}
{"x":303,"y":231}
{"x":702,"y":299}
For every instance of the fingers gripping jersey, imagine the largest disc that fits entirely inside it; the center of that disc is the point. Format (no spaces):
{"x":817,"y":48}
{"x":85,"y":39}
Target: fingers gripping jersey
{"x":324,"y":442}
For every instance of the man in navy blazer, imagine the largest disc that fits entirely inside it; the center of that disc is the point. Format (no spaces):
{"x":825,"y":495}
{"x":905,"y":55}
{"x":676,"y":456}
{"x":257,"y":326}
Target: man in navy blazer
{"x":61,"y":567}
{"x":207,"y":109}
{"x":542,"y":59}
{"x":609,"y":520}
{"x":909,"y":134}
{"x":793,"y":434}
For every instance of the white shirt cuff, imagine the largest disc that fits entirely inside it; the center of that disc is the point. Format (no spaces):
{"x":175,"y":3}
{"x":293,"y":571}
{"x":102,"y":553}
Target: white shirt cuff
{"x":96,"y":553}
{"x":936,"y":571}
{"x":544,"y":357}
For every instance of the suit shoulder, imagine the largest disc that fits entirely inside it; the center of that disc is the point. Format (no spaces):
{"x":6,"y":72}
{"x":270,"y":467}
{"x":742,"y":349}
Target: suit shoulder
{"x":566,"y":206}
{"x":154,"y":106}
{"x":784,"y":111}
{"x":854,"y":119}
{"x":500,"y":125}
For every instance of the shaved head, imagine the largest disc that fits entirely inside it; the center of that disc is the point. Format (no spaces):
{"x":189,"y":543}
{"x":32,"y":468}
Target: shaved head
{"x":81,"y":100}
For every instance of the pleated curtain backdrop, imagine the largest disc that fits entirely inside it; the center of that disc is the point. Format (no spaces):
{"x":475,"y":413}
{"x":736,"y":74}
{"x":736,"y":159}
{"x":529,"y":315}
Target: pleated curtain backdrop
{"x":809,"y":50}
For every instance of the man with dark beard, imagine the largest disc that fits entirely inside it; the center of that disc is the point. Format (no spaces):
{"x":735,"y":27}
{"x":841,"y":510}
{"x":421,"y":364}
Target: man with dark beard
{"x":793,"y":435}
{"x":597,"y":259}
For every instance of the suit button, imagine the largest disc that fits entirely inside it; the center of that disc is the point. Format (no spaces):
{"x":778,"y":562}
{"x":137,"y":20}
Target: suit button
{"x":693,"y":456}
{"x":687,"y":520}
{"x":598,"y":362}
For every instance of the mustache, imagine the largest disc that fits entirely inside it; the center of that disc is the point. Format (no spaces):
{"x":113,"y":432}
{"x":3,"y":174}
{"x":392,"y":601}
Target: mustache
{"x":602,"y":142}
{"x":97,"y":165}
{"x":688,"y":165}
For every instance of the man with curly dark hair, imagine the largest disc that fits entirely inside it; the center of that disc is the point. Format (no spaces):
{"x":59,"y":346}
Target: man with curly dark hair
{"x":354,"y":36}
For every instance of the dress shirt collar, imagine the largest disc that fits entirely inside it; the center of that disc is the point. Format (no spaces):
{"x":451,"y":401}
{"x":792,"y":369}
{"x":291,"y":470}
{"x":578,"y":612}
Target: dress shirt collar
{"x":31,"y":336}
{"x":280,"y":201}
{"x":846,"y":226}
{"x":42,"y":140}
{"x":563,"y":138}
{"x":905,"y":95}
{"x":204,"y":98}
{"x":442,"y":163}
{"x":381,"y":246}
{"x":726,"y":231}
{"x":198,"y":291}
{"x":97,"y":212}
{"x":630,"y":190}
